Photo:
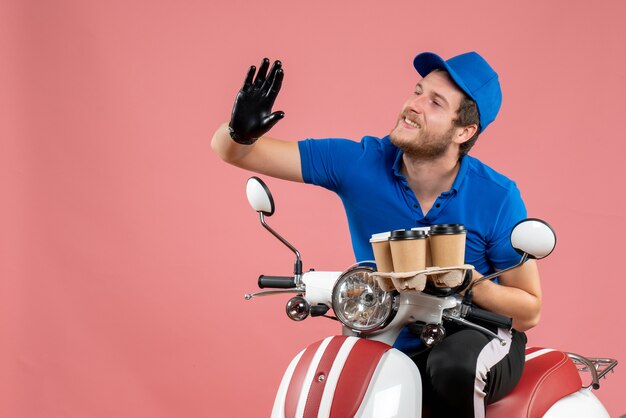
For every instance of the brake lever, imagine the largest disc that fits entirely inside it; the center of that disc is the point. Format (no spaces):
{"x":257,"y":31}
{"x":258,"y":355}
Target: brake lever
{"x":463,"y":321}
{"x":249,"y":296}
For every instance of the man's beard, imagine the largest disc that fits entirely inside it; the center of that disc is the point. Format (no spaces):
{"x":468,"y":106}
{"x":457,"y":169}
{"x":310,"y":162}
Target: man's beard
{"x":428,"y":146}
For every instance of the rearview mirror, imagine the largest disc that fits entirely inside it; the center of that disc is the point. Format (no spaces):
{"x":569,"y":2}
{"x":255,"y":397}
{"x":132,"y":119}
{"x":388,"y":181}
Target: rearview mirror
{"x":533,"y":237}
{"x":259,"y":196}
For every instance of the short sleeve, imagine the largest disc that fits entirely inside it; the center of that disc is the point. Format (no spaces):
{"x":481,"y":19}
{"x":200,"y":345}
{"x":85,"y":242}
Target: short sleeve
{"x":325,"y":161}
{"x":500,"y":253}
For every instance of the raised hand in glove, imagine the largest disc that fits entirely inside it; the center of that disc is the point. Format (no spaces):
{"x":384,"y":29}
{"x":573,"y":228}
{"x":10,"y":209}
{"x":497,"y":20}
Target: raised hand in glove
{"x":252,"y":113}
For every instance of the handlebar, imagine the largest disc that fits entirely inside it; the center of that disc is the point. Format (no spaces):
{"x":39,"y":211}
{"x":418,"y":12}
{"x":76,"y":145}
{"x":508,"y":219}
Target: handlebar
{"x":487,"y":318}
{"x":277,"y":282}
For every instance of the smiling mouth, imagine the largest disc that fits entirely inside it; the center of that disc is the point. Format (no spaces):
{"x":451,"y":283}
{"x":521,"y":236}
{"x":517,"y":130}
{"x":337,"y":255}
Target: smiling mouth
{"x":410,"y":122}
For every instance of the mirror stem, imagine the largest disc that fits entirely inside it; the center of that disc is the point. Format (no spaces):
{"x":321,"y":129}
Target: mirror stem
{"x":297,"y":268}
{"x":499,"y":272}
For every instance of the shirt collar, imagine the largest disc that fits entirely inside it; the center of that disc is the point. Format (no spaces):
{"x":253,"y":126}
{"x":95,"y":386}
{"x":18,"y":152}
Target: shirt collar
{"x":397,"y":164}
{"x":460,"y":176}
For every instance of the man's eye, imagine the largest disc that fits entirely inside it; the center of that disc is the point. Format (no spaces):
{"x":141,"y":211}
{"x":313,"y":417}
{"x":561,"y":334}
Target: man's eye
{"x":436,"y":103}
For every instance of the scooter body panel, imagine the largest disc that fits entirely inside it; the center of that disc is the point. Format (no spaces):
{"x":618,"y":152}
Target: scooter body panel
{"x":347,"y":376}
{"x":395,"y":390}
{"x":278,"y":410}
{"x":581,"y":404}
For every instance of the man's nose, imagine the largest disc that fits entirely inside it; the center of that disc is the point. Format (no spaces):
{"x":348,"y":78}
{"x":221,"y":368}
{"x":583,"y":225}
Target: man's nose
{"x":416,"y":103}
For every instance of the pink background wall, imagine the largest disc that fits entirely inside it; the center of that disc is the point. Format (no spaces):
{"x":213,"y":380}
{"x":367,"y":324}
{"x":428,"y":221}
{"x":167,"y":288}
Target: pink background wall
{"x":126,"y":245}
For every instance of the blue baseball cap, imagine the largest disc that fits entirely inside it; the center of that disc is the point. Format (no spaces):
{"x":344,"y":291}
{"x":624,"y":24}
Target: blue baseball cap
{"x":473,"y":75}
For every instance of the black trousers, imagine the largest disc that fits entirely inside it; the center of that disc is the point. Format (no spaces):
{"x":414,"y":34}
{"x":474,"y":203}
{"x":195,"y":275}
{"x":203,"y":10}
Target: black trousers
{"x":469,"y":370}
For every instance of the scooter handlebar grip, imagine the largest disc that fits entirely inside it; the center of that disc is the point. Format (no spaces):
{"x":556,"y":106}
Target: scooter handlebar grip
{"x":487,"y":318}
{"x":276,"y":282}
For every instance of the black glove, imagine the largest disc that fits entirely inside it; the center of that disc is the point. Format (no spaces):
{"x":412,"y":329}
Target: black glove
{"x":252,"y":112}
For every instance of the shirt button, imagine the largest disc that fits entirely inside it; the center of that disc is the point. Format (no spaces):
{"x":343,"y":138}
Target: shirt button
{"x":415,"y":206}
{"x":437,"y":205}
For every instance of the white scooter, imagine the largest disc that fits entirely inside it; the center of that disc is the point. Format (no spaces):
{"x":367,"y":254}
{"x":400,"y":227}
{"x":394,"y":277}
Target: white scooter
{"x":359,"y":374}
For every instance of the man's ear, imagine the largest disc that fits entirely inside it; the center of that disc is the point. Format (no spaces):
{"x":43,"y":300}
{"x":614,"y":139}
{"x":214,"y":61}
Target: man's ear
{"x":465,"y":133}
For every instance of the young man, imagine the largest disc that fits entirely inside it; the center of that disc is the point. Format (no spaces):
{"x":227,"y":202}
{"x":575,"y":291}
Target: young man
{"x":418,"y":175}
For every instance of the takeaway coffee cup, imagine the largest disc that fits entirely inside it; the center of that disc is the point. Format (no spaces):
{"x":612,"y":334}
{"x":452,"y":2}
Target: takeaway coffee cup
{"x":426,"y":229}
{"x":382,"y":252}
{"x":408,"y":250}
{"x":447,"y":245}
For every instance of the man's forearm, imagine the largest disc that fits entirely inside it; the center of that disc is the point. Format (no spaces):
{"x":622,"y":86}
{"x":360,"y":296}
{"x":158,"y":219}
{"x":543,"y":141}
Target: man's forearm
{"x":520,"y":304}
{"x":269,"y":156}
{"x":227,"y":149}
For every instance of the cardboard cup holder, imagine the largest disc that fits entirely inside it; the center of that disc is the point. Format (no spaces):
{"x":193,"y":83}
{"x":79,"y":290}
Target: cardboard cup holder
{"x":416,"y":280}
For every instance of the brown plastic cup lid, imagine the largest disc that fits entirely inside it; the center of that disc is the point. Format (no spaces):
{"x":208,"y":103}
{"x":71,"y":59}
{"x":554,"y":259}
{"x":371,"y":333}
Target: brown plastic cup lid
{"x":410,"y":234}
{"x":447,"y":229}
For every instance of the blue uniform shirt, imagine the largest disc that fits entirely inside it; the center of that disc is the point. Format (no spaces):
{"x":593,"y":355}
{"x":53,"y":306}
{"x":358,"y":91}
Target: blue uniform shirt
{"x":377,"y":198}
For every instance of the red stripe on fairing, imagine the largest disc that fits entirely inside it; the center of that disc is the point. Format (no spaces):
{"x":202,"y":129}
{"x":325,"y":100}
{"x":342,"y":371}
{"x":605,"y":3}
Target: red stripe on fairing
{"x":317,"y":388}
{"x":356,"y":376}
{"x":297,"y":380}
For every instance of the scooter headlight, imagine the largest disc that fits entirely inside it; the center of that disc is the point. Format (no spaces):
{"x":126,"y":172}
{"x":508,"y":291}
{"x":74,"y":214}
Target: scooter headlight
{"x":359,"y":303}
